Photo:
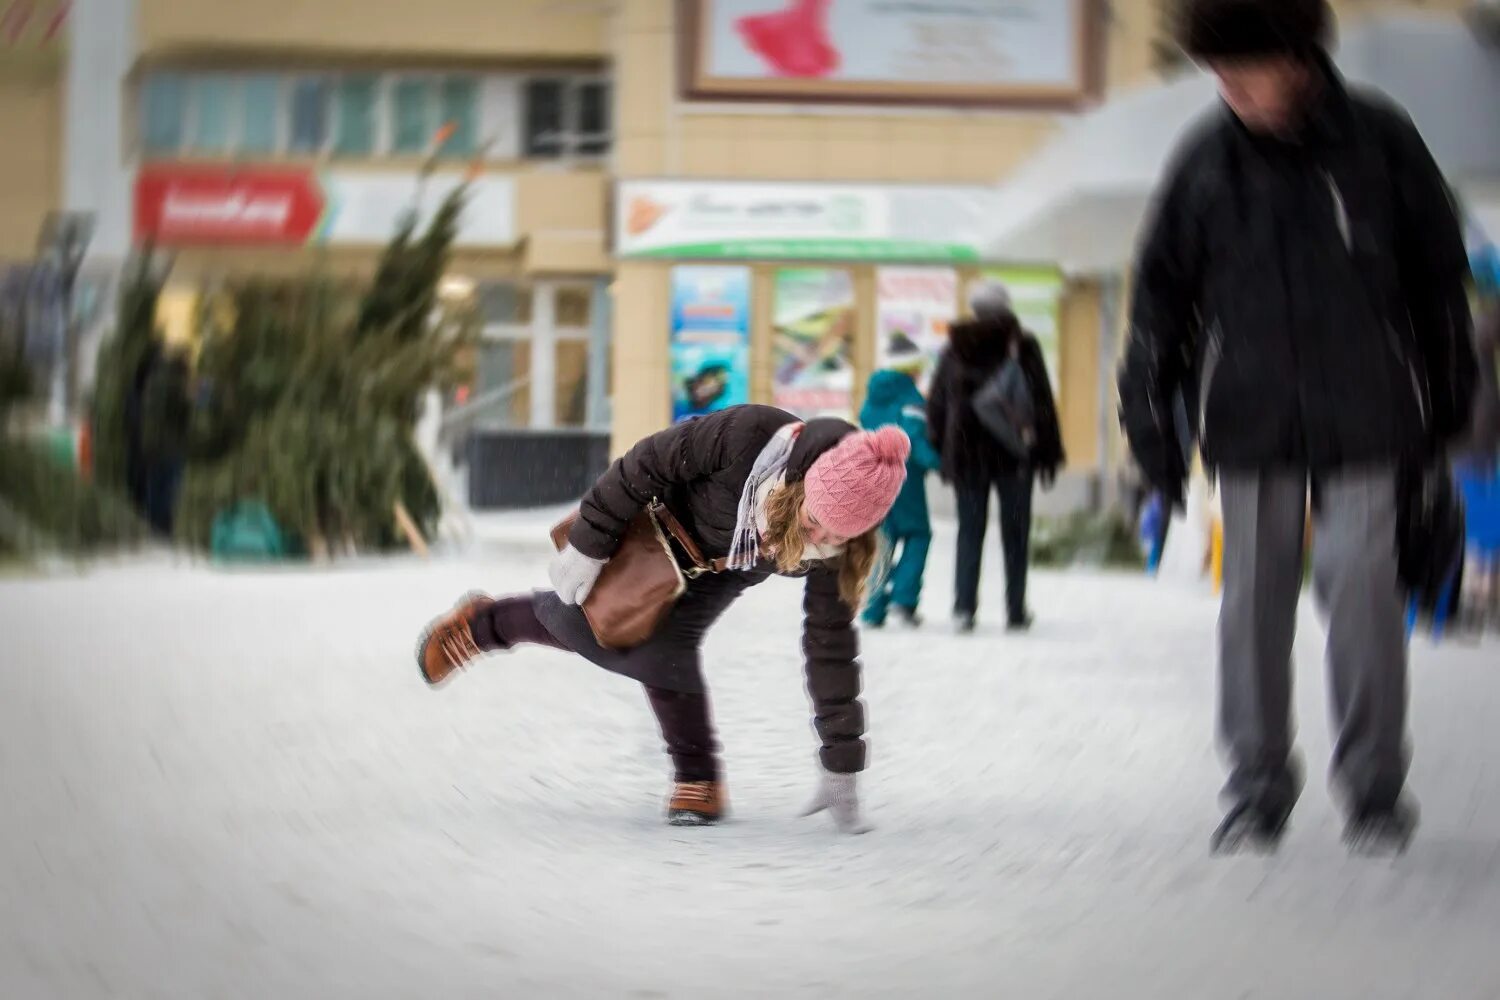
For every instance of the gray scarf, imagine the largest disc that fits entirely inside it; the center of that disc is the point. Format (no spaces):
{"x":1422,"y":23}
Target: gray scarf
{"x":744,"y":550}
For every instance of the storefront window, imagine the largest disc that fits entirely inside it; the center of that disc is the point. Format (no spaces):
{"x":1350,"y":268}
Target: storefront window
{"x":460,"y":108}
{"x":356,"y":116}
{"x":261,"y":94}
{"x":567,"y":117}
{"x":309,"y":116}
{"x":164,"y":106}
{"x":365,"y":114}
{"x":573,"y":305}
{"x":212,"y":99}
{"x":593,"y":119}
{"x":505,"y":305}
{"x":544,"y":118}
{"x":412,"y":126}
{"x":571,"y":397}
{"x":504,"y":365}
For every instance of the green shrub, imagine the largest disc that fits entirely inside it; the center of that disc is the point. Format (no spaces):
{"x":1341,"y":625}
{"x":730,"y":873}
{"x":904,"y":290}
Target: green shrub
{"x":1085,"y":539}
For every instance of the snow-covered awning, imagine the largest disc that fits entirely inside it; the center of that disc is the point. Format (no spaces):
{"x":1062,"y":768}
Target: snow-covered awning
{"x":1079,"y":202}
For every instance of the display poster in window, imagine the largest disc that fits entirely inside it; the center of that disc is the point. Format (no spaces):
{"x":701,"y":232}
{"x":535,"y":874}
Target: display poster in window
{"x":1036,"y":296}
{"x":813,"y":346}
{"x":710,"y":339}
{"x":913,"y":309}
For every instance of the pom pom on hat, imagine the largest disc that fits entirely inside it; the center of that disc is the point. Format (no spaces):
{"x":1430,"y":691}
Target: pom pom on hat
{"x":852,"y":486}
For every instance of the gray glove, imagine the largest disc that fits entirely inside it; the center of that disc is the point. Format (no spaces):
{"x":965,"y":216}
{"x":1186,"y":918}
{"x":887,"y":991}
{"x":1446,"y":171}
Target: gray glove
{"x":836,"y":793}
{"x":573,"y":574}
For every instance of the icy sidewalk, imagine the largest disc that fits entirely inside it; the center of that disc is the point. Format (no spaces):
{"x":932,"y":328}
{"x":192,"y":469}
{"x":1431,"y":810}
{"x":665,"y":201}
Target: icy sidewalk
{"x":234,"y":785}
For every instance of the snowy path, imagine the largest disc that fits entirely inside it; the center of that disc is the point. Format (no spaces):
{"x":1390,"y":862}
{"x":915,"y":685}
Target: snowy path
{"x":233,"y":785}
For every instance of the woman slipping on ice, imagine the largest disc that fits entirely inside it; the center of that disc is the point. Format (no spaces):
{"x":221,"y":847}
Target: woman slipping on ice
{"x":776,"y":497}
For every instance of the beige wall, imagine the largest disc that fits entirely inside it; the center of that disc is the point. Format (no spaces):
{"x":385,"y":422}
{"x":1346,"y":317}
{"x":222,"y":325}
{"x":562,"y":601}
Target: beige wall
{"x":479,"y":29}
{"x":1354,"y":8}
{"x":563,"y":220}
{"x":31,"y":168}
{"x":640,"y":369}
{"x":1079,"y":406}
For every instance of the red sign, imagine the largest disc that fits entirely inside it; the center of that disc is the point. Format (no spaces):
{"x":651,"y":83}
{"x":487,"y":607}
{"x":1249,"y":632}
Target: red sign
{"x":200,"y":204}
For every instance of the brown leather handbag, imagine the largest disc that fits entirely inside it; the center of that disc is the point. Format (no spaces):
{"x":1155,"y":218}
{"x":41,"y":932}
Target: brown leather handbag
{"x":642,"y":580}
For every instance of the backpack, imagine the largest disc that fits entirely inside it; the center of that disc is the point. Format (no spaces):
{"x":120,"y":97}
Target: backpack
{"x":1005,"y":408}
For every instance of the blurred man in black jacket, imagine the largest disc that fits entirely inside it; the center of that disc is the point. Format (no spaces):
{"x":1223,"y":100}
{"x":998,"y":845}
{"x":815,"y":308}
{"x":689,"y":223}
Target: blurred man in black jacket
{"x":1304,"y":273}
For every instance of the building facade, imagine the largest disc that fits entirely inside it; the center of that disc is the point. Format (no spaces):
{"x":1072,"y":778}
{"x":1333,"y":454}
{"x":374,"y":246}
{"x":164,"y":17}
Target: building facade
{"x":675,"y":204}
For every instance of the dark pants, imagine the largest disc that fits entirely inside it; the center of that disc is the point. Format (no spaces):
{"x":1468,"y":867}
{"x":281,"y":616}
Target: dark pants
{"x":163,"y":478}
{"x":684,"y":717}
{"x":1014,"y":491}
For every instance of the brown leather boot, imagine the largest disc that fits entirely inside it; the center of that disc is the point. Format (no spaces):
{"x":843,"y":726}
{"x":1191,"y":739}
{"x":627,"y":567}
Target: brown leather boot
{"x":448,"y":642}
{"x":697,"y":803}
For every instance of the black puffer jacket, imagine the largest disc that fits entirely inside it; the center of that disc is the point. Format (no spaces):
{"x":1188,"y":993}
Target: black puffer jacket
{"x":976,"y":350}
{"x":698,"y":469}
{"x":1308,"y":293}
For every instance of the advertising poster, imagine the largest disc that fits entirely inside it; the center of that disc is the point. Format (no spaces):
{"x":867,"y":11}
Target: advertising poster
{"x":710,"y":345}
{"x":1036,"y":294}
{"x":990,"y":52}
{"x":913,"y":307}
{"x":813,"y":346}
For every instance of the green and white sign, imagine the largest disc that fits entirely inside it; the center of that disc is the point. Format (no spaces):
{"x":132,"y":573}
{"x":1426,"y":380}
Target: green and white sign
{"x":845,"y":222}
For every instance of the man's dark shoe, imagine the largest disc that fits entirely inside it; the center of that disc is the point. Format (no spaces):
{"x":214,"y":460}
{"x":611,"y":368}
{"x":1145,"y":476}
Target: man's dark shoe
{"x":1248,"y":827}
{"x":1381,"y":830}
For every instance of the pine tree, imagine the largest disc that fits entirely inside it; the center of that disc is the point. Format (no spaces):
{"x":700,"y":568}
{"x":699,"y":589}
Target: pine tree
{"x":315,"y":389}
{"x":120,"y":358}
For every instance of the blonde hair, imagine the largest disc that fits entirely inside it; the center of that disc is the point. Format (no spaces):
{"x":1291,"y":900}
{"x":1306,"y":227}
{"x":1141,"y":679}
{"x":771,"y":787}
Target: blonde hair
{"x":788,"y":544}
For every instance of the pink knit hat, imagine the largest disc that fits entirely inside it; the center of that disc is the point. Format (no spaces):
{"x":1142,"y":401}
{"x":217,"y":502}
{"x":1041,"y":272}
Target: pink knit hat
{"x":851,"y":486}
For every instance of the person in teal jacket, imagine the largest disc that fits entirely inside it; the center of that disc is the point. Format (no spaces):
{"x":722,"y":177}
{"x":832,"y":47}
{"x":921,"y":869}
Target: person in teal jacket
{"x":893,"y":398}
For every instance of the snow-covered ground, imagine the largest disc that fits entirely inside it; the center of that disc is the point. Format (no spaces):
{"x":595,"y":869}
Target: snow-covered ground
{"x":233,"y":784}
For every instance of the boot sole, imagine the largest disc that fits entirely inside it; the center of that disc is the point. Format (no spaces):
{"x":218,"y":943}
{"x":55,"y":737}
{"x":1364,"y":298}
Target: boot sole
{"x":682,"y":817}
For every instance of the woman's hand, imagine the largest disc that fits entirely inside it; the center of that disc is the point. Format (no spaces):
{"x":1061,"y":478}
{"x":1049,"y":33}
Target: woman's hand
{"x":836,"y":793}
{"x":574,"y":574}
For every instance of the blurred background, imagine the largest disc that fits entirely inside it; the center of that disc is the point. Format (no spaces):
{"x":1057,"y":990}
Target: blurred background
{"x":200,"y":202}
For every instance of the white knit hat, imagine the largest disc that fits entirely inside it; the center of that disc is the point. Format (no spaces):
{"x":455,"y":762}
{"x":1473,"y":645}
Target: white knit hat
{"x":988,"y":298}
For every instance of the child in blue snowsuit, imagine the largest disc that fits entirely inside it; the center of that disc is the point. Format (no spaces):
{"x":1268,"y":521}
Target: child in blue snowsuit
{"x":893,"y":398}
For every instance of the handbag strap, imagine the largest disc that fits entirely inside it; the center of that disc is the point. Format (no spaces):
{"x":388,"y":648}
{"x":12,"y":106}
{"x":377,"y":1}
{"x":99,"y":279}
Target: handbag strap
{"x":674,"y":527}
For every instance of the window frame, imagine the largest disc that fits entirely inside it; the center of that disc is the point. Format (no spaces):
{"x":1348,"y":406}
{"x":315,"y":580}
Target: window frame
{"x":286,"y":111}
{"x":491,"y":122}
{"x":571,"y":136}
{"x":379,"y":131}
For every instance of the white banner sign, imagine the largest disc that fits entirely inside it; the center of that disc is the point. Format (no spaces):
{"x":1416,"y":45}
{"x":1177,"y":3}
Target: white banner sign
{"x":850,"y":222}
{"x":367,"y":206}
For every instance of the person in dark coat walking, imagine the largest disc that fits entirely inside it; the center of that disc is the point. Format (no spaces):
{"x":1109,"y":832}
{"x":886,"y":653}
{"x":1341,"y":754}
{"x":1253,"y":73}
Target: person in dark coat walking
{"x":774,"y":496}
{"x":975,"y":462}
{"x":1304,"y":276}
